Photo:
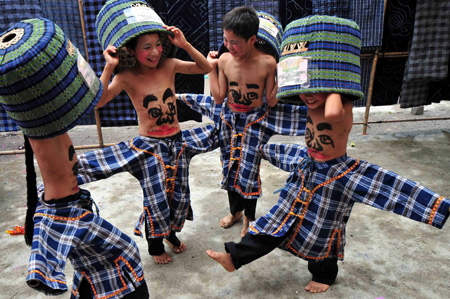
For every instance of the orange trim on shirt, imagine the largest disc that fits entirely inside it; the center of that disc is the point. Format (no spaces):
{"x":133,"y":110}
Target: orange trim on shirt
{"x":306,"y":204}
{"x":63,"y":218}
{"x":116,"y":261}
{"x":435,"y":207}
{"x":242,"y":135}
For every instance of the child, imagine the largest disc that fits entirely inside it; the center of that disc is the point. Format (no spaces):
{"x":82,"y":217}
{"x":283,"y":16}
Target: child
{"x":244,"y":72}
{"x":310,"y":216}
{"x":245,"y":121}
{"x":159,"y":157}
{"x":46,"y":101}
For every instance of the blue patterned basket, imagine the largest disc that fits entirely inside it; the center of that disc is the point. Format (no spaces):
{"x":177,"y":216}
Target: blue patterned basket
{"x":269,"y":36}
{"x":119,"y":21}
{"x":46,"y":86}
{"x":320,"y":54}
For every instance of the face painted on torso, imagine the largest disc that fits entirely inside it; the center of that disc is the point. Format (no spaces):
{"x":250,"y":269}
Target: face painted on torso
{"x":326,"y":139}
{"x":239,"y":101}
{"x":318,"y":139}
{"x":162,"y":112}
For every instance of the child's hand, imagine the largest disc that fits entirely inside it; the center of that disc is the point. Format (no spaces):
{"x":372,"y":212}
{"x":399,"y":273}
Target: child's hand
{"x":178,"y":38}
{"x":213,"y":58}
{"x":111,"y":56}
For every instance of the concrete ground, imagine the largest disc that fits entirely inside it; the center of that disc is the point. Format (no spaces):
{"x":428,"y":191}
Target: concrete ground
{"x":387,"y":256}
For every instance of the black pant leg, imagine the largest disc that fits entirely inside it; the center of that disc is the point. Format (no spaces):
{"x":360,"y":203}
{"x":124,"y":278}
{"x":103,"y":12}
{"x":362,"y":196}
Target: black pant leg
{"x":250,"y":208}
{"x":251,"y":247}
{"x":155,"y":245}
{"x":85,"y":290}
{"x":141,"y":292}
{"x":324,"y":271}
{"x":236,"y":202}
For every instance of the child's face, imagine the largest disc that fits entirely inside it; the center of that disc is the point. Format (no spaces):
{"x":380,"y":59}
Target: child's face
{"x":148,"y":49}
{"x":237,"y":45}
{"x":314,"y":100}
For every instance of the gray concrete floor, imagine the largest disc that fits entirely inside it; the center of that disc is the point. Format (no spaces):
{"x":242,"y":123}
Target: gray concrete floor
{"x":386,"y":255}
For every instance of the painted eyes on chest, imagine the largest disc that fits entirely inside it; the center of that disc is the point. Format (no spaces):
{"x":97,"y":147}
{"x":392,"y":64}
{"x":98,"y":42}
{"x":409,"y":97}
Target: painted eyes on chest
{"x":163,"y":113}
{"x":246,"y":98}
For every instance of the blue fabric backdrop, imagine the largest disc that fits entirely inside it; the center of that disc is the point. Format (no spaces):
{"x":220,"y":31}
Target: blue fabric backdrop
{"x":201,"y":20}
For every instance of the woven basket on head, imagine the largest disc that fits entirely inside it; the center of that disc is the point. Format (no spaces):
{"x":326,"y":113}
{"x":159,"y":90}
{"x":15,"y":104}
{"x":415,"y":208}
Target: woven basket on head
{"x":320,"y":54}
{"x":46,"y":86}
{"x":120,"y":21}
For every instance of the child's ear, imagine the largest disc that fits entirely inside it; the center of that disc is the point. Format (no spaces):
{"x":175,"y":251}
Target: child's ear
{"x":131,"y":51}
{"x":252,"y":39}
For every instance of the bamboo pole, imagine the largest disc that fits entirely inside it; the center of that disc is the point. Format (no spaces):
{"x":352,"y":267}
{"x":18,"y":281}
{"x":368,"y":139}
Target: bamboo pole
{"x":96,"y":112}
{"x":99,"y":127}
{"x":83,"y":28}
{"x":386,"y":55}
{"x":372,"y":77}
{"x":369,"y":95}
{"x":401,"y":120}
{"x":79,"y":147}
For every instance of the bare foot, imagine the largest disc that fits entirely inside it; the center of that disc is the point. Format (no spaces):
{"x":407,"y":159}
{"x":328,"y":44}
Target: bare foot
{"x":245,"y":226}
{"x":229,"y":220}
{"x":222,"y":258}
{"x":176,"y":249}
{"x":317,"y":287}
{"x":164,"y":258}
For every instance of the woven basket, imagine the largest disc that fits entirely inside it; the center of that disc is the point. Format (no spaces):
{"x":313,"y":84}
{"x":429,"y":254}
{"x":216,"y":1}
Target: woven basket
{"x":320,"y":54}
{"x":119,"y":21}
{"x":46,"y":86}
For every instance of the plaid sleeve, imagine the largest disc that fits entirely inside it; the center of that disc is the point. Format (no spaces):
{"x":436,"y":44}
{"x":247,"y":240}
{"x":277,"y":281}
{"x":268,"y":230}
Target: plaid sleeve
{"x":204,"y":139}
{"x":386,"y":190}
{"x":283,"y":156}
{"x":286,"y":119}
{"x":203,"y":104}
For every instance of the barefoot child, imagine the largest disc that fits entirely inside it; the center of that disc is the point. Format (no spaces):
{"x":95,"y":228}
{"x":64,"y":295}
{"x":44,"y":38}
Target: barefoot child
{"x":245,"y":74}
{"x":314,"y":206}
{"x":159,"y":157}
{"x":46,"y":101}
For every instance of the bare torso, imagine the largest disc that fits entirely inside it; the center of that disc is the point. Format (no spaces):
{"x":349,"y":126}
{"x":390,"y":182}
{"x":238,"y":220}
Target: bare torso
{"x":58,"y":165}
{"x":326,"y":139}
{"x":152,"y":93}
{"x":246,"y":80}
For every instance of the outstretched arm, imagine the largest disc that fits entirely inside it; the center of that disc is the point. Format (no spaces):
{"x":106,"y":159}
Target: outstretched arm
{"x":110,"y":91}
{"x":200,"y":65}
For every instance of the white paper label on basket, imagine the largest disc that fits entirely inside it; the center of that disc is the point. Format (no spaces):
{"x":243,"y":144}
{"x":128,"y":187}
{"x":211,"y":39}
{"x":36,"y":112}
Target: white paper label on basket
{"x":141,"y":14}
{"x":292,"y":71}
{"x":85,"y":70}
{"x":269,"y":27}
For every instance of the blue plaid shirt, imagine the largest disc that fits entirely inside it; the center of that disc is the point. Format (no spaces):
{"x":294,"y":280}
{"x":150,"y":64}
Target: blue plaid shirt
{"x":318,"y":198}
{"x":98,"y":251}
{"x":161,"y":166}
{"x":242,"y":133}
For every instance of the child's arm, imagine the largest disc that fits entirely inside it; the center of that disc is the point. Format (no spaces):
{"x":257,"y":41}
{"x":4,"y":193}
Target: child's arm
{"x":386,"y":190}
{"x":334,"y":109}
{"x":110,"y":91}
{"x":283,"y":156}
{"x":217,"y":79}
{"x":200,"y":65}
{"x":271,"y":85}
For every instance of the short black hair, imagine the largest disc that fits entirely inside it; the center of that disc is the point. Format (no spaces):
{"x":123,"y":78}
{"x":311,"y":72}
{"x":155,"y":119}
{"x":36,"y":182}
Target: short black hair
{"x":243,"y":21}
